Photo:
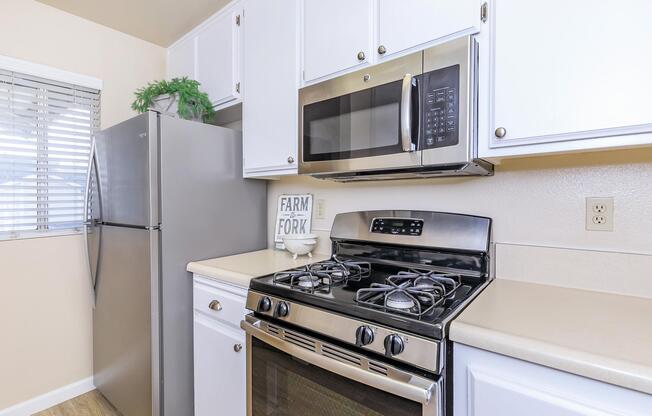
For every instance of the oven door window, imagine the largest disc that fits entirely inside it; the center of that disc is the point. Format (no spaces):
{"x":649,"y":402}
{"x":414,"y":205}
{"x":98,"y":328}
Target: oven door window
{"x":361,"y":124}
{"x":285,"y":386}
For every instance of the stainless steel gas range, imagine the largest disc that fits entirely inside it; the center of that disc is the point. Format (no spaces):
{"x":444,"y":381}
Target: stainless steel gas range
{"x":365,"y":333}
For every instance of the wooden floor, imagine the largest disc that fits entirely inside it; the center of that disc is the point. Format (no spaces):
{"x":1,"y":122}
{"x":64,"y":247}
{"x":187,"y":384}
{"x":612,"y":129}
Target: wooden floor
{"x":89,"y":404}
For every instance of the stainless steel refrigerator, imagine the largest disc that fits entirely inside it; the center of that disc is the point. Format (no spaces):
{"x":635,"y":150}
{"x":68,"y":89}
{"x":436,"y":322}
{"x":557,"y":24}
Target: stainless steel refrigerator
{"x":161,"y":192}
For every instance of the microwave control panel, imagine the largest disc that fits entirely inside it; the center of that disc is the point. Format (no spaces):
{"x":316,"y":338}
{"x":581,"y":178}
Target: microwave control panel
{"x":397,"y":226}
{"x":441,"y":107}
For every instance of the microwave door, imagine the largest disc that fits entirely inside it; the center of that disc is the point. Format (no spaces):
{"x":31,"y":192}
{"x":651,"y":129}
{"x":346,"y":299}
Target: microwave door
{"x":350,"y":125}
{"x":448,"y":110}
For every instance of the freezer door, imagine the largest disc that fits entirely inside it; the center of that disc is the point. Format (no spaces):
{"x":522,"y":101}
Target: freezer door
{"x":207,"y":210}
{"x":127,"y":159}
{"x":125,"y":327}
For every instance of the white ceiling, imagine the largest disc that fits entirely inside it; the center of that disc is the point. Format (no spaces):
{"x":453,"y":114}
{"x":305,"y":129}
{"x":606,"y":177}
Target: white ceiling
{"x":157,"y":21}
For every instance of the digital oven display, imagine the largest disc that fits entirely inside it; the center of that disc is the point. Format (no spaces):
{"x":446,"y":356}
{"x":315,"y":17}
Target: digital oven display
{"x":397,"y":226}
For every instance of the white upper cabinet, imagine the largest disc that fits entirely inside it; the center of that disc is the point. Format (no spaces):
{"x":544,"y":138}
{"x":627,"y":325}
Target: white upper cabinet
{"x":210,"y":53}
{"x":405,"y":25}
{"x":337,"y":35}
{"x":218,"y":57}
{"x":270,"y":94}
{"x":567,"y":76}
{"x":181,"y":59}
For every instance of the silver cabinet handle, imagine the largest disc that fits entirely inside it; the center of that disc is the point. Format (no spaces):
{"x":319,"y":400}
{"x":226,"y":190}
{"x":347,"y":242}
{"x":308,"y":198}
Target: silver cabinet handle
{"x":501,"y":132}
{"x":290,"y":159}
{"x":406,"y":114}
{"x":215,"y":305}
{"x":361,"y":56}
{"x":382,"y":50}
{"x":237,"y":347}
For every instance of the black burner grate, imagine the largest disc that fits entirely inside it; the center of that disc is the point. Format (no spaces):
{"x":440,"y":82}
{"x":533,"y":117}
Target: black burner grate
{"x":414,"y":292}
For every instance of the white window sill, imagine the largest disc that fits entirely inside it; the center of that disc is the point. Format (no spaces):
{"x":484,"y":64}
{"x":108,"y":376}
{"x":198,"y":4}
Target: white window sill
{"x":25,"y":235}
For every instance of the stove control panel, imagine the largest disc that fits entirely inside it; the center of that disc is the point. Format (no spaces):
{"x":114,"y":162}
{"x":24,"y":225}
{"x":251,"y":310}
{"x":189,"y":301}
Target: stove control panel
{"x":398,"y":226}
{"x":400,"y":346}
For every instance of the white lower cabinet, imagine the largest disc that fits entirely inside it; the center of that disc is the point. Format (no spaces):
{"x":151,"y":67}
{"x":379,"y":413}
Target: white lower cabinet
{"x":489,"y":384}
{"x":219,"y":348}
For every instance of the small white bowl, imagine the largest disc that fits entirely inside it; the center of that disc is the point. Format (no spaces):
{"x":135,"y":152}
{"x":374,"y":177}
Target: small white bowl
{"x":300,"y":244}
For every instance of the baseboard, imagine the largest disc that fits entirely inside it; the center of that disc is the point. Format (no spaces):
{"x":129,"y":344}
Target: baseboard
{"x":49,"y":399}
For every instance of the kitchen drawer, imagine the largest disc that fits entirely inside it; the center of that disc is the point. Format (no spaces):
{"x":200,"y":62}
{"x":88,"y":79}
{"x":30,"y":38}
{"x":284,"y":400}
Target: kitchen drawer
{"x":219,"y":301}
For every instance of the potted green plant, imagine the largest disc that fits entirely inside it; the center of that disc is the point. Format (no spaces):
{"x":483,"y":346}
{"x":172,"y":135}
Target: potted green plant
{"x":179,"y":96}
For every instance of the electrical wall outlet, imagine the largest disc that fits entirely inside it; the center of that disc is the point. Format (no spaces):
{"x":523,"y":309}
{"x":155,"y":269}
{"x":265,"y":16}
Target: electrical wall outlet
{"x":600,"y":214}
{"x":320,"y":209}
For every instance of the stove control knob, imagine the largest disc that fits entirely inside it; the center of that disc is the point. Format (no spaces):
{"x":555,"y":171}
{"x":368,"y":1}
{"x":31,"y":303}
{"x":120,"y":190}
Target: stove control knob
{"x":394,"y":345}
{"x":282,"y":310}
{"x":364,"y":336}
{"x":265,"y":304}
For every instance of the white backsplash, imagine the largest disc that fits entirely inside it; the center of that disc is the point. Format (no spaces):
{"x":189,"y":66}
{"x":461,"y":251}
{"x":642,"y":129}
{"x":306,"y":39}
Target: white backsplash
{"x":534,"y":202}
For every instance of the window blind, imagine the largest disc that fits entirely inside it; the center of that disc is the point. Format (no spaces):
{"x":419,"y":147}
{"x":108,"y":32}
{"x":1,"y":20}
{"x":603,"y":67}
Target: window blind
{"x":45,"y":136}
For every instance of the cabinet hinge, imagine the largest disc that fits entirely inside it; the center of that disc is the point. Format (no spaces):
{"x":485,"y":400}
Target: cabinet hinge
{"x":237,"y":87}
{"x":237,"y":20}
{"x":484,"y":12}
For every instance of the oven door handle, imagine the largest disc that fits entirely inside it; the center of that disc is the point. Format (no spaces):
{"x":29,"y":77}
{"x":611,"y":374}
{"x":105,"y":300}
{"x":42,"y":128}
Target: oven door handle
{"x":397,"y":382}
{"x":406,"y":114}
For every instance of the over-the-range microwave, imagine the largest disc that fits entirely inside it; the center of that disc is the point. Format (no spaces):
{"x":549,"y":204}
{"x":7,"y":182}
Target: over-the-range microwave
{"x":414,"y":116}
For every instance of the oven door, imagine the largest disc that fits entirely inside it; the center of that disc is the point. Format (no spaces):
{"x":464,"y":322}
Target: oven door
{"x":291,"y":374}
{"x":366,"y":120}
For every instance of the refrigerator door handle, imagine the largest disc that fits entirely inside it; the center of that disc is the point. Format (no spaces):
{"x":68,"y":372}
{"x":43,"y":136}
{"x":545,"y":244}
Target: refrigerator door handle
{"x":89,"y":221}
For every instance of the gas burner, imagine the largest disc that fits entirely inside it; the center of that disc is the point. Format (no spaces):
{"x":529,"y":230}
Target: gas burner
{"x":427,"y":280}
{"x":307,"y":281}
{"x":399,"y":299}
{"x":304,"y":279}
{"x":342,"y":270}
{"x":402,"y":298}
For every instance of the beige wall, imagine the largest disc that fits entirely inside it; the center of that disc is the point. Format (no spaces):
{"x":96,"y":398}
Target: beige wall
{"x":45,"y":309}
{"x":533,"y":201}
{"x":42,"y":34}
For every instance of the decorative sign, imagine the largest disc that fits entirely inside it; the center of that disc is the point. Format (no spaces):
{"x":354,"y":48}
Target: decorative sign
{"x":293,"y":216}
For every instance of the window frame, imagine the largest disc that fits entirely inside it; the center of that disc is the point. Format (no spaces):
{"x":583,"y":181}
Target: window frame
{"x":55,"y":75}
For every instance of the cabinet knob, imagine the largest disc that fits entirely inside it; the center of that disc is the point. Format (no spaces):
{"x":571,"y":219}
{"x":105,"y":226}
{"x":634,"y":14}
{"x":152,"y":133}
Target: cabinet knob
{"x":290,"y":159}
{"x":361,"y":56}
{"x":501,"y":132}
{"x":382,"y":50}
{"x":237,"y":347}
{"x":215,"y":305}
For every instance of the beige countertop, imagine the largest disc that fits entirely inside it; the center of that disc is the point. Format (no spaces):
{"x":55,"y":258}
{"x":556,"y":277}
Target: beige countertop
{"x":241,"y":268}
{"x":602,"y":336}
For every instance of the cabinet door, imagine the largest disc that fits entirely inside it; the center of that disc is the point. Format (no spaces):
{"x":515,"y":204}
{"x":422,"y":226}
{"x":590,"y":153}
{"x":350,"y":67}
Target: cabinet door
{"x":218,"y":57}
{"x":181,"y":59}
{"x":337,"y":35}
{"x":570,"y":70}
{"x":270,"y":79}
{"x":403,"y":25}
{"x":488,"y":384}
{"x":220,"y":369}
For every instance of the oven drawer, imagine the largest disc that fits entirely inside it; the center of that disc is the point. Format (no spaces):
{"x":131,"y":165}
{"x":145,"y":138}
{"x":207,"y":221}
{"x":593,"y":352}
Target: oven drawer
{"x":287,"y":368}
{"x":219,"y":303}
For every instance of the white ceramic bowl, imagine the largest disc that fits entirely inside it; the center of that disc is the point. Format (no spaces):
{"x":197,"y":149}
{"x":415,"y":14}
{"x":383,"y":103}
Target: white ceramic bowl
{"x":300,"y":244}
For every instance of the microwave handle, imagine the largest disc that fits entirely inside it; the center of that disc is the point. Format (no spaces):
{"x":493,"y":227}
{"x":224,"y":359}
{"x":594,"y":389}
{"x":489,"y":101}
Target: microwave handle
{"x":406,"y":114}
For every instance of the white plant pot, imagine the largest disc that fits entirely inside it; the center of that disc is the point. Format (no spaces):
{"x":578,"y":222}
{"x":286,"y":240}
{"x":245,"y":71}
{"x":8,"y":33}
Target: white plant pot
{"x":168,"y":104}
